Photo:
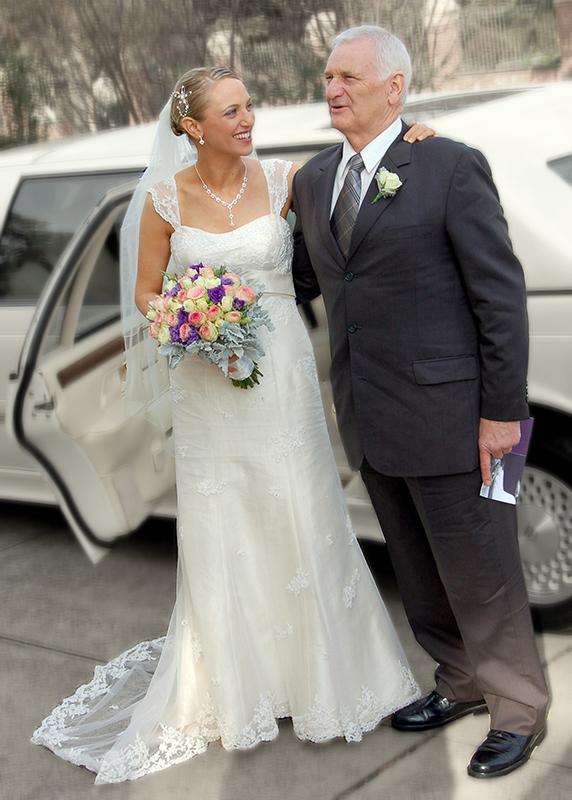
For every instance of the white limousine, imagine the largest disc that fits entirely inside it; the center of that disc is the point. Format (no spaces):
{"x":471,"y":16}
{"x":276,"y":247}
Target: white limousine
{"x":67,"y":434}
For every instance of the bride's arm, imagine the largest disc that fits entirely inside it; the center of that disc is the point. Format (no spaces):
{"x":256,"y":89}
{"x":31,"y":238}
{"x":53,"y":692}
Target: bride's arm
{"x":288,"y":205}
{"x":154,"y":253}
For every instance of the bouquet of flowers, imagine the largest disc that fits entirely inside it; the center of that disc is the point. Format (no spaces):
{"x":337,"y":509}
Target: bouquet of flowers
{"x":209,"y":312}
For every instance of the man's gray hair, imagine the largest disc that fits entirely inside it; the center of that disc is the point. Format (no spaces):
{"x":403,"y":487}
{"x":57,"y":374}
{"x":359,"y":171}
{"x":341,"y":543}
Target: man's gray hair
{"x":392,"y":55}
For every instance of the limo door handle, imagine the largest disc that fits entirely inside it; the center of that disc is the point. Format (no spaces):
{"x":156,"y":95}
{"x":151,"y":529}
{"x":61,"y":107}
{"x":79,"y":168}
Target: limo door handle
{"x":47,"y":405}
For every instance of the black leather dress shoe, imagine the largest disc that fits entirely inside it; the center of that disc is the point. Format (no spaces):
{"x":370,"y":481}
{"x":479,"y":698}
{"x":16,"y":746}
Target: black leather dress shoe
{"x":433,"y":711}
{"x":502,"y":752}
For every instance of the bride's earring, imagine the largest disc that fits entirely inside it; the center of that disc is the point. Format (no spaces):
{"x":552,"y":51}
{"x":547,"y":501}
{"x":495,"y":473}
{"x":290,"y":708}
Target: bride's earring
{"x":201,"y":140}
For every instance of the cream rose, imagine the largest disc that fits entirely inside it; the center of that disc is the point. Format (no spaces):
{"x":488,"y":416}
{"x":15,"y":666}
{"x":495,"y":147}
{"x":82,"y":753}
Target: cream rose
{"x":387,"y":183}
{"x":163,"y":336}
{"x":208,"y":332}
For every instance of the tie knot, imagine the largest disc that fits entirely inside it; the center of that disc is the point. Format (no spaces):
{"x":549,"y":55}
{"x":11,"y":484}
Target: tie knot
{"x":356,"y":163}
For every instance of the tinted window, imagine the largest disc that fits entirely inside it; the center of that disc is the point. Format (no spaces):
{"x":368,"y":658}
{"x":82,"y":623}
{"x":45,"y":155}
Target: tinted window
{"x":45,"y":214}
{"x":101,"y":302}
{"x":563,"y":167}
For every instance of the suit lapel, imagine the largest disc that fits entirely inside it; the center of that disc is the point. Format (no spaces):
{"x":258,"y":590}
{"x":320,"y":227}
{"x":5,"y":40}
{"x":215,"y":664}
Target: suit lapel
{"x":398,"y":155}
{"x":323,"y":189}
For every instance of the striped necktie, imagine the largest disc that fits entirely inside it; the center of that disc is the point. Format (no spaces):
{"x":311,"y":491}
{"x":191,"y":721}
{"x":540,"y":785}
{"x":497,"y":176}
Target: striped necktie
{"x":347,"y":205}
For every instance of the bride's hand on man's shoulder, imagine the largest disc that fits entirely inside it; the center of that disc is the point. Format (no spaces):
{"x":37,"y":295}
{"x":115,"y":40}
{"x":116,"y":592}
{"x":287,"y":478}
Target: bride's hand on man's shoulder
{"x":418,"y":131}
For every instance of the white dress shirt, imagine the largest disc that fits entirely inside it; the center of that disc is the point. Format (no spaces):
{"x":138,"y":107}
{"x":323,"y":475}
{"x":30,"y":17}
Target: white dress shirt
{"x":371,"y":154}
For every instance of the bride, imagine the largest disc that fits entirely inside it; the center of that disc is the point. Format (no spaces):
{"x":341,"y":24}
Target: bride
{"x":276,"y":612}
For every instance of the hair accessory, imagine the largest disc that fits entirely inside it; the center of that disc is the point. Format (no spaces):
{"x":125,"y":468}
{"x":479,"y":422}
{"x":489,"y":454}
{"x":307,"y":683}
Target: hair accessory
{"x":183,"y":103}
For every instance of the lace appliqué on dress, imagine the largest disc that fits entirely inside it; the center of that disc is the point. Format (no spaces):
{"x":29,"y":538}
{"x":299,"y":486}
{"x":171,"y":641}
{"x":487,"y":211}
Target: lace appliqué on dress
{"x":178,"y":394}
{"x":350,"y":591}
{"x":283,"y":311}
{"x":320,"y":723}
{"x":307,"y":364}
{"x":283,"y":631}
{"x":164,"y":196}
{"x":175,"y":745}
{"x":196,"y":647}
{"x":209,"y":487}
{"x":285,"y":443}
{"x":352,"y":537}
{"x":277,"y":172}
{"x":299,"y":581}
{"x":277,"y":177}
{"x":51,"y":732}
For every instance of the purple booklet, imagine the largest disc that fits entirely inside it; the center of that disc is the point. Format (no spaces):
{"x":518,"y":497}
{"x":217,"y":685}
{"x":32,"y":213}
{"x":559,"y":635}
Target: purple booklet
{"x":507,"y":471}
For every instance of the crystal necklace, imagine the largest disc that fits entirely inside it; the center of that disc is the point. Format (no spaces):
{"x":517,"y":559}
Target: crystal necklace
{"x":216,"y":198}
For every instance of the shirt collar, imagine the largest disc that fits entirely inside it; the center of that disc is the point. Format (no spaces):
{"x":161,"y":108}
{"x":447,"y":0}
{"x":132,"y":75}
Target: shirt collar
{"x":373,"y":152}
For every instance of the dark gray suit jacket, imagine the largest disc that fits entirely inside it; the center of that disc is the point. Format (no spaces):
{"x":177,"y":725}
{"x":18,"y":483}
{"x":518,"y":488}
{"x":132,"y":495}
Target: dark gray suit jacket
{"x":427,"y":318}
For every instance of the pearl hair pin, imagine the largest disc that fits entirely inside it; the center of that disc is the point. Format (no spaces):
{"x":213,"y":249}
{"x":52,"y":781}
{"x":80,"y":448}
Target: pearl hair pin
{"x":183,"y":102}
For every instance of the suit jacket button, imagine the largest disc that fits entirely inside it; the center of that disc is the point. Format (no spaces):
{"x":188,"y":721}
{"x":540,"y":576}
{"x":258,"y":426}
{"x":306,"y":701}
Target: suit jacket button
{"x":349,"y":276}
{"x":352,"y":328}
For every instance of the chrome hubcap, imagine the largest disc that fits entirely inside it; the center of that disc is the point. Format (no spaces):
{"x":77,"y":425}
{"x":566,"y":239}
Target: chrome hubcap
{"x":544,"y":513}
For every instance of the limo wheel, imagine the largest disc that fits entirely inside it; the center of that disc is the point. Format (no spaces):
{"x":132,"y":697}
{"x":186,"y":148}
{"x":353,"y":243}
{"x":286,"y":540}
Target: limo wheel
{"x":544,"y":513}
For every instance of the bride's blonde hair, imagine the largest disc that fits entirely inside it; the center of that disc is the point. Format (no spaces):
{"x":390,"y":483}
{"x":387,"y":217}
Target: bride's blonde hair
{"x":191,"y":93}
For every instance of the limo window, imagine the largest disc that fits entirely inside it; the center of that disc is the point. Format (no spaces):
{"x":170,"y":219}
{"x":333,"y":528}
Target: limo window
{"x":101,"y":301}
{"x":44,"y":215}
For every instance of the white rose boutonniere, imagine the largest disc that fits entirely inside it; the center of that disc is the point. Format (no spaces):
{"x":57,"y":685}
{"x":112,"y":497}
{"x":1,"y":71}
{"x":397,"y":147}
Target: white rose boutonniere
{"x":388,"y":184}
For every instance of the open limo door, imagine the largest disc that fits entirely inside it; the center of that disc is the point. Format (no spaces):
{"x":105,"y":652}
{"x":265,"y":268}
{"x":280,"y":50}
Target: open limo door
{"x":108,"y":459}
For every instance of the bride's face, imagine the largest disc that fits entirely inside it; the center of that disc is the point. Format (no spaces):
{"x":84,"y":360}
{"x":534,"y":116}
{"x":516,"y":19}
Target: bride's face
{"x":229,"y":118}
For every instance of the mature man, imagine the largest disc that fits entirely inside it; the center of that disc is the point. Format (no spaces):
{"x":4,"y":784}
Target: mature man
{"x":426,"y":308}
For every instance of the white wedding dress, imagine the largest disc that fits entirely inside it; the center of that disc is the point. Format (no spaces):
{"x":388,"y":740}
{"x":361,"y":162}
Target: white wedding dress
{"x":276,"y":613}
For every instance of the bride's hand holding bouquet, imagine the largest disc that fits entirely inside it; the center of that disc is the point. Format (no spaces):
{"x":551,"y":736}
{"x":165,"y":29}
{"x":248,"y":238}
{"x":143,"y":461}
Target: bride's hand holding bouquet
{"x":209,"y":312}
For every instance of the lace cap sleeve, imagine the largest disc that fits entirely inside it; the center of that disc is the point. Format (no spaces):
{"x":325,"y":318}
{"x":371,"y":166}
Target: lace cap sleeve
{"x":277,"y":172}
{"x":164,"y":196}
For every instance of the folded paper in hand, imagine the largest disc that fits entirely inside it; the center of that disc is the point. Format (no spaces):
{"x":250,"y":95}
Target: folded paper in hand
{"x":507,"y":471}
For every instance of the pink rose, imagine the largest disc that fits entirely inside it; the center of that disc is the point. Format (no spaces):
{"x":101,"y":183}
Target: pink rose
{"x":229,"y":290}
{"x":233,"y":316}
{"x":247,"y":294}
{"x":197,"y":292}
{"x":207,"y":272}
{"x":181,"y":296}
{"x":208,"y":332}
{"x":172,"y":319}
{"x":232,"y":276}
{"x":185,"y":332}
{"x":154,"y":329}
{"x":159,"y":317}
{"x":197,"y":318}
{"x":213,"y":313}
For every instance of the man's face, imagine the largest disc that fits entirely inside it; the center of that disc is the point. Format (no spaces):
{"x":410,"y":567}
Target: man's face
{"x":357,"y":96}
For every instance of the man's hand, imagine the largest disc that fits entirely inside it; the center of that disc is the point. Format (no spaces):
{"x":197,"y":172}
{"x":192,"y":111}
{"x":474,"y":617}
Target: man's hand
{"x":496,"y":438}
{"x":417,"y":132}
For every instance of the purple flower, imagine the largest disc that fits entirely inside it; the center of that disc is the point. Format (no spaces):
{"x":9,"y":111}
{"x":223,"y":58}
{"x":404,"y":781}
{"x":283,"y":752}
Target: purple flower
{"x":183,"y":316}
{"x":193,"y":336}
{"x":216,"y":294}
{"x":226,"y":281}
{"x":237,"y":304}
{"x":174,"y":290}
{"x":174,"y":331}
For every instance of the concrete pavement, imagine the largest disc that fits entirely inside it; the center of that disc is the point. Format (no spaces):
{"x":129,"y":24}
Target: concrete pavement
{"x":59,"y":616}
